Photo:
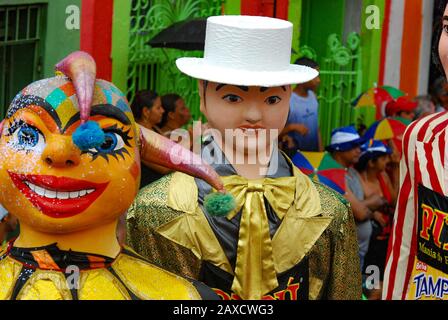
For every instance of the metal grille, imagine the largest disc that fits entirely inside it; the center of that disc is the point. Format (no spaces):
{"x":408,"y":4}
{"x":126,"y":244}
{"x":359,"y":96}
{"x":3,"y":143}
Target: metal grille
{"x":20,"y":38}
{"x":154,"y":68}
{"x":341,"y":83}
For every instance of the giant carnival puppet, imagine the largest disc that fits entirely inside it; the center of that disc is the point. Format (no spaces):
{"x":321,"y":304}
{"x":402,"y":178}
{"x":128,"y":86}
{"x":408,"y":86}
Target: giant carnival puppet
{"x":417,"y":260}
{"x":69,"y":167}
{"x":287,"y":237}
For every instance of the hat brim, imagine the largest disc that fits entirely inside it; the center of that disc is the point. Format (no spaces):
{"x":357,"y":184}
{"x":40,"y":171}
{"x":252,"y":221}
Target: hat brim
{"x":200,"y":68}
{"x":346,"y":146}
{"x":372,"y":155}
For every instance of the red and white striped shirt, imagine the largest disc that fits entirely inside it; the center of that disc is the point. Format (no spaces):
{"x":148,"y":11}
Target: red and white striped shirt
{"x":422,"y":162}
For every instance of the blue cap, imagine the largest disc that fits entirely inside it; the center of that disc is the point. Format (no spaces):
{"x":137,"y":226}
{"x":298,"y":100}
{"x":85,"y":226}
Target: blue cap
{"x":344,"y":139}
{"x":373,"y":149}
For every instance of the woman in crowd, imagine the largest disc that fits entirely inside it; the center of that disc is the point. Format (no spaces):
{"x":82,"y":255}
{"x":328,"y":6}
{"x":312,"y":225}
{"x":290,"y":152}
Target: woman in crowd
{"x":148,"y":112}
{"x":176,"y":113}
{"x":374,"y":180}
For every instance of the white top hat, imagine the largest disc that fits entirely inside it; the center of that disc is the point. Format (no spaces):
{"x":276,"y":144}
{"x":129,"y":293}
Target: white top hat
{"x":247,"y":51}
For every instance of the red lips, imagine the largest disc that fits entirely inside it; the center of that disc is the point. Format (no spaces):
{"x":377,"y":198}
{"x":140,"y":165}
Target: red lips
{"x":58,"y":197}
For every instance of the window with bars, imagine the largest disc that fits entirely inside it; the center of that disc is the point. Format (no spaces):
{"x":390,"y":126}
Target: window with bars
{"x":21,"y":34}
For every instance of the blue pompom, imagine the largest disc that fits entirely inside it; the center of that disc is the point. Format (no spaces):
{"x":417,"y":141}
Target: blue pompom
{"x":219,"y":204}
{"x":88,"y":135}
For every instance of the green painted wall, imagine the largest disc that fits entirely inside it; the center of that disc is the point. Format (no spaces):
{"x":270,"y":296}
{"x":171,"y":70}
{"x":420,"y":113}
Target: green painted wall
{"x":58,"y":40}
{"x":320,"y":19}
{"x":295,"y":16}
{"x":120,"y":43}
{"x":232,"y":7}
{"x":371,"y":46}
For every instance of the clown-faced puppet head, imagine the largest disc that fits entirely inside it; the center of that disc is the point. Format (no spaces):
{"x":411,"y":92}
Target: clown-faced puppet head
{"x":70,"y":152}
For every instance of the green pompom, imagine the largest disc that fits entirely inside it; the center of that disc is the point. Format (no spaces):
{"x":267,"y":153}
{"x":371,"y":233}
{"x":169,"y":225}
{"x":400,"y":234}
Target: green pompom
{"x":219,"y":204}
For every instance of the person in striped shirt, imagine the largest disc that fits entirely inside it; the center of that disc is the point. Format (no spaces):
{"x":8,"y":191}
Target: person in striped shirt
{"x":417,"y":264}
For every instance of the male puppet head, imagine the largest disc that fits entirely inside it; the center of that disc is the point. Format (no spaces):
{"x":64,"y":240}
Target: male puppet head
{"x":246,"y":75}
{"x":70,"y":152}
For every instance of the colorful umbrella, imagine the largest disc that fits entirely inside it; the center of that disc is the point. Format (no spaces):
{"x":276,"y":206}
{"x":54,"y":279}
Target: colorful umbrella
{"x":394,"y":92}
{"x":388,"y":128}
{"x":373,"y":97}
{"x":321,"y":167}
{"x":405,"y":121}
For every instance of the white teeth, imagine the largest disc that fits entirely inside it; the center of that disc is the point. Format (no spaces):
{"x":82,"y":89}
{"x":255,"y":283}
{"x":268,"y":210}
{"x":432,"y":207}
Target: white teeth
{"x":74,"y":194}
{"x":40,"y":191}
{"x":62,"y":195}
{"x":51,"y":194}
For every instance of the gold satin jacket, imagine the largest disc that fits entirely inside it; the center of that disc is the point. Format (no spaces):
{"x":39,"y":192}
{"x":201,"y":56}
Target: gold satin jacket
{"x":167,"y":226}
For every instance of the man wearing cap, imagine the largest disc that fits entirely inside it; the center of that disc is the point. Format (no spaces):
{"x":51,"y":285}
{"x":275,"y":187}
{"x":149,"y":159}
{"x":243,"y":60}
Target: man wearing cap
{"x":402,"y":107}
{"x":345,"y":148}
{"x":287,"y":237}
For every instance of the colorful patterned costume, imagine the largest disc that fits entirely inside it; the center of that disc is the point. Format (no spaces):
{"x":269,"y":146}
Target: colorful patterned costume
{"x":44,"y":274}
{"x":68,"y":192}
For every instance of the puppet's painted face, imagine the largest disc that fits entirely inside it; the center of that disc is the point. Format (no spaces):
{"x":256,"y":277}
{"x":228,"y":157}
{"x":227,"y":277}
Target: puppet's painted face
{"x":50,"y":184}
{"x":250,"y":109}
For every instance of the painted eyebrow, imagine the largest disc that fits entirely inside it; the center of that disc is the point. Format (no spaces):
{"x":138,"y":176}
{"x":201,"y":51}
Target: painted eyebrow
{"x":263,"y":89}
{"x":106,"y":110}
{"x":26,"y":100}
{"x":244,"y":88}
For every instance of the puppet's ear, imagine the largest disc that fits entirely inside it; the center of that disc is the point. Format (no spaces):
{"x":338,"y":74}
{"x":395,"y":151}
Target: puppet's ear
{"x":157,"y":149}
{"x":80,"y":67}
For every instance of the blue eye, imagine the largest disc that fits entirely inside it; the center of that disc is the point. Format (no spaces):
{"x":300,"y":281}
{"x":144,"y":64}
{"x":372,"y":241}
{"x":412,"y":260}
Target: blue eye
{"x":28,"y":137}
{"x":110,"y":143}
{"x":115,"y":141}
{"x":25,"y":137}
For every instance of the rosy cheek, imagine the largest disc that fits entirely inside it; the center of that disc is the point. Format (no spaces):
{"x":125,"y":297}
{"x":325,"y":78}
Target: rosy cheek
{"x":135,"y":170}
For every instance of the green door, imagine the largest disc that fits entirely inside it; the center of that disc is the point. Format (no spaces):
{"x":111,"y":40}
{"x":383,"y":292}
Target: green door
{"x":20,"y":52}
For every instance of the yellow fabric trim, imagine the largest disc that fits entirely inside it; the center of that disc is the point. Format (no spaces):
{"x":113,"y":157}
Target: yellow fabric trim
{"x":9,"y":272}
{"x":183,"y":193}
{"x":149,"y":282}
{"x":100,"y":284}
{"x":192,"y":229}
{"x":301,"y":227}
{"x":45,"y":285}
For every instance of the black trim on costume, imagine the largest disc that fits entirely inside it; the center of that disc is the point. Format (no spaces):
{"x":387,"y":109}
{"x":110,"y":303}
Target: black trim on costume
{"x":131,"y":294}
{"x":73,"y":291}
{"x":24,"y":276}
{"x":133,"y":254}
{"x":204,"y":291}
